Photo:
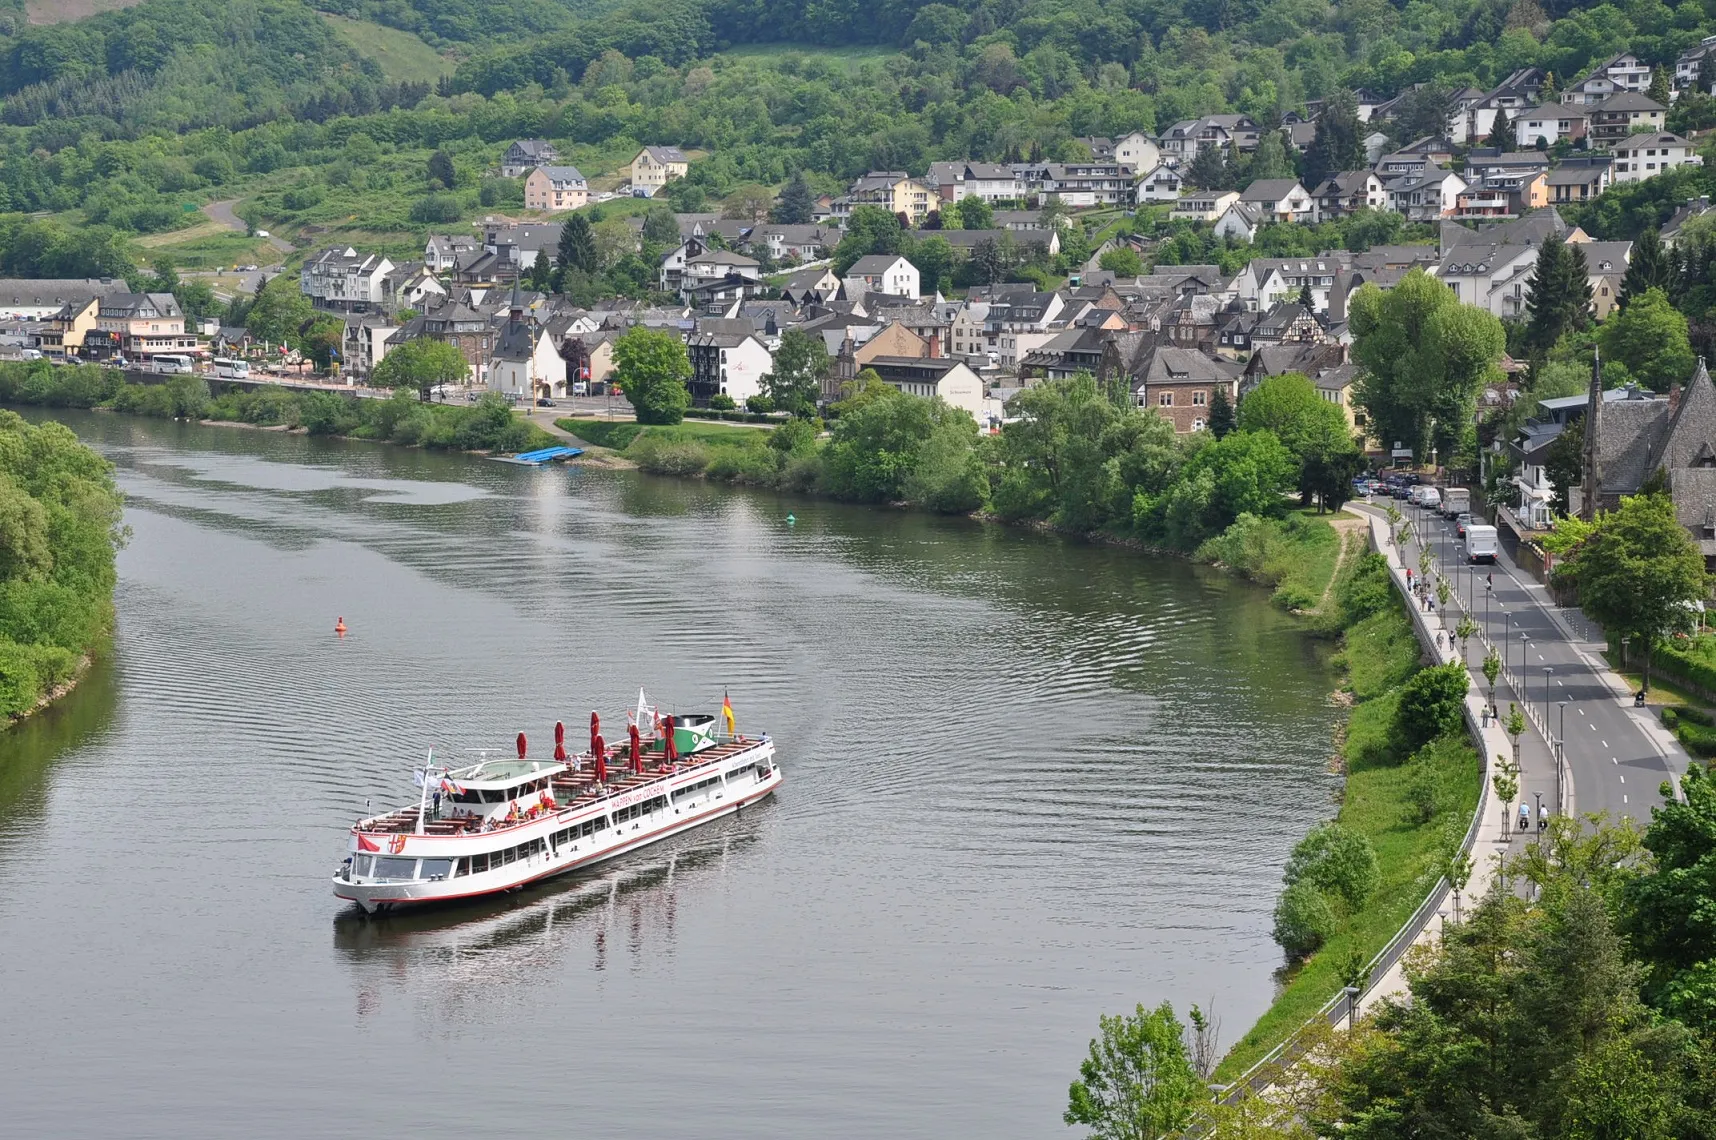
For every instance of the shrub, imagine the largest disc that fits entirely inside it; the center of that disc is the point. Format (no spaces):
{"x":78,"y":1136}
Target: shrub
{"x":1304,"y":920}
{"x":436,"y":208}
{"x":1423,"y":790}
{"x":1431,"y":705}
{"x":761,"y":405}
{"x":668,"y":456}
{"x":1368,"y":590}
{"x":753,"y":466}
{"x":721,"y":402}
{"x":20,"y":684}
{"x":1336,"y":861}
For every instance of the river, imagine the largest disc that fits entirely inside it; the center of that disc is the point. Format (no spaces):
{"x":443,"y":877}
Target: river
{"x":1028,"y":781}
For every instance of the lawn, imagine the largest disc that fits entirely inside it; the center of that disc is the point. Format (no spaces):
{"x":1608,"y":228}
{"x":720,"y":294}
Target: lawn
{"x":403,"y":57}
{"x":850,"y":58}
{"x":618,"y":434}
{"x":1381,"y":652}
{"x":206,"y":249}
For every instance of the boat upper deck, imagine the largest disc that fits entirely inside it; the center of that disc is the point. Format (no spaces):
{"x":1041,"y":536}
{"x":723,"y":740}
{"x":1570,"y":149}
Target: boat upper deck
{"x":571,"y":791}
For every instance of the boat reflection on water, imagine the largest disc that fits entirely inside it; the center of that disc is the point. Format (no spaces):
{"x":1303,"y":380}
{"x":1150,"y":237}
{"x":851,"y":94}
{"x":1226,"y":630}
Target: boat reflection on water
{"x":608,"y":918}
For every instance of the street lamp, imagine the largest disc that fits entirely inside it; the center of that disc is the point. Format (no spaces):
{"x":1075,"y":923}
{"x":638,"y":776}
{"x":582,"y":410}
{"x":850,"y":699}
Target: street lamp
{"x":1560,"y":758}
{"x":1625,"y":637}
{"x":1488,"y":590}
{"x":1540,"y":820}
{"x":1524,"y":643}
{"x":1548,"y":671}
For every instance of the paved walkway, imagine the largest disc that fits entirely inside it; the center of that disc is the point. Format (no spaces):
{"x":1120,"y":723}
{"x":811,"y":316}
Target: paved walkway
{"x":1497,"y":835}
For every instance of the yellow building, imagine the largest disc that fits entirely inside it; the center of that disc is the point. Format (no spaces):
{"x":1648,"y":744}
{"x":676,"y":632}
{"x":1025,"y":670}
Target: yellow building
{"x":66,"y":328}
{"x":892,"y":190}
{"x":656,"y":166}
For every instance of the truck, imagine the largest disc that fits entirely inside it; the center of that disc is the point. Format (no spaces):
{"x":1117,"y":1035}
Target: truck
{"x":1456,"y":501}
{"x":1480,"y":543}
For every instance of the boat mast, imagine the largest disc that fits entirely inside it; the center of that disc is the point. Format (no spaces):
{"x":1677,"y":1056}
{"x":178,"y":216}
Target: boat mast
{"x":423,"y":791}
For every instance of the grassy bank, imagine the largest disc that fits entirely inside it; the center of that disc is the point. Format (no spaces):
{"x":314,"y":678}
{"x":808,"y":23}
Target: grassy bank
{"x":1296,"y":558}
{"x":488,"y":425}
{"x":1412,"y":809}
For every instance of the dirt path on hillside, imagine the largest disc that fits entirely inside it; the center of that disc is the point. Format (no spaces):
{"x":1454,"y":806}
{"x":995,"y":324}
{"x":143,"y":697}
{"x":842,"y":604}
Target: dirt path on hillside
{"x":222,"y":213}
{"x":1352,"y":534}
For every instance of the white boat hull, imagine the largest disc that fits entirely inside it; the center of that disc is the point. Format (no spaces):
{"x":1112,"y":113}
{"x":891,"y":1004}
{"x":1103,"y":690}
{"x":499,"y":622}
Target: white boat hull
{"x":553,"y":858}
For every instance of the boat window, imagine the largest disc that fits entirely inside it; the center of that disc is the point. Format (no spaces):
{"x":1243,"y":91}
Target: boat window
{"x":436,"y":869}
{"x":654,"y":805}
{"x":739,"y":773}
{"x":467,"y":797}
{"x":510,"y":855}
{"x":479,"y":864}
{"x":361,"y":864}
{"x":493,"y":796}
{"x":389,"y":867}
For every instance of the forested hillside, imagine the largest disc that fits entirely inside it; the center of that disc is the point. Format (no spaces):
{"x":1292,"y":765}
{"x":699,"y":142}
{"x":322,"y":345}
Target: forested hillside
{"x":131,"y":118}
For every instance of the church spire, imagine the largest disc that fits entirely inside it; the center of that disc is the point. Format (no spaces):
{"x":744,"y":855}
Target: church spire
{"x":1593,"y":484}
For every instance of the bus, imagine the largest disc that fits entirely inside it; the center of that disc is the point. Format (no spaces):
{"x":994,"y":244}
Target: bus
{"x":232,"y":369}
{"x":171,"y":362}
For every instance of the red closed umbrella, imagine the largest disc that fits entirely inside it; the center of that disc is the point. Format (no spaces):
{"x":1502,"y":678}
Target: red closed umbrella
{"x":521,"y":746}
{"x":637,"y":752}
{"x":595,"y":730}
{"x":559,"y":733}
{"x":672,"y":752}
{"x":599,"y":749}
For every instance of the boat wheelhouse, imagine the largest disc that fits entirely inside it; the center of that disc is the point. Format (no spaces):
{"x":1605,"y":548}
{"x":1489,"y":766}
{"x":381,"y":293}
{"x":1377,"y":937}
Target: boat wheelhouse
{"x":498,"y":824}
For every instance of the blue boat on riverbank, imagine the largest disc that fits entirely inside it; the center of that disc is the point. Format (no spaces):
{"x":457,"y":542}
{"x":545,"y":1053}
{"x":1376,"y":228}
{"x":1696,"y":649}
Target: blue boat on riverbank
{"x":543,"y":455}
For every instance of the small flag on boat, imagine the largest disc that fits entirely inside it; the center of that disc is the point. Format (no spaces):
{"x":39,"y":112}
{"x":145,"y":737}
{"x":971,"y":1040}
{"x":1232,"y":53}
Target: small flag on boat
{"x":451,"y":788}
{"x":727,"y":712}
{"x":365,"y":843}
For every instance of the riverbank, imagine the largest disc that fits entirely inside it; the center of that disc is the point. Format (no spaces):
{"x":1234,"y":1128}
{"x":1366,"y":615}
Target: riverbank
{"x":59,"y":530}
{"x":1412,"y":809}
{"x":488,"y":425}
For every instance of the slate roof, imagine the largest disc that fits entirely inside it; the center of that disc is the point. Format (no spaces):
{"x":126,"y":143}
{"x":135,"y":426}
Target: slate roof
{"x":872,"y":263}
{"x":1269,"y":190}
{"x":563,"y":174}
{"x":666,"y":154}
{"x":1628,"y":429}
{"x":1165,"y":365}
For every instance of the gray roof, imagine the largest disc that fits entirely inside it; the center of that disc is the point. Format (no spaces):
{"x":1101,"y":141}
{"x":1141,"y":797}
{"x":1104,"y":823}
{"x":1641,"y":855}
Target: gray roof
{"x":1269,"y":189}
{"x":1629,"y":101}
{"x":562,"y":173}
{"x":140,"y":305}
{"x":1629,"y":431}
{"x":1164,"y":365}
{"x":666,"y":154}
{"x":33,"y":292}
{"x":872,"y":263}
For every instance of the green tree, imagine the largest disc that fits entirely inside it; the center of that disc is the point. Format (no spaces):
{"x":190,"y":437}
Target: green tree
{"x":577,"y":248}
{"x":797,"y":206}
{"x":1492,"y":669}
{"x":973,"y":214}
{"x":1338,"y":144}
{"x":1649,"y":337}
{"x":280,"y":311}
{"x":651,"y":368}
{"x":869,"y":229}
{"x":1423,"y":358}
{"x":748,"y":202}
{"x":1431,"y":705}
{"x":422,"y":364}
{"x":1564,"y":466}
{"x":1639,"y":571}
{"x":1560,"y":300}
{"x":1336,"y":860}
{"x":1138,"y":1082}
{"x":934,"y":259}
{"x":1670,"y":916}
{"x":795,"y":381}
{"x":441,"y":170}
{"x":1502,"y":133}
{"x":1209,"y":169}
{"x":321,"y":341}
{"x":1313,"y":429}
{"x":1304,"y":920}
{"x":1650,"y":266}
{"x":1659,"y":86}
{"x":1270,"y":159}
{"x":660,"y":226}
{"x":1122,"y":261}
{"x":1222,"y":419}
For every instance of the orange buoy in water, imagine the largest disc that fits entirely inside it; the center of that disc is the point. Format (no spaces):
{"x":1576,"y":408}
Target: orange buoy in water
{"x":340,"y":626}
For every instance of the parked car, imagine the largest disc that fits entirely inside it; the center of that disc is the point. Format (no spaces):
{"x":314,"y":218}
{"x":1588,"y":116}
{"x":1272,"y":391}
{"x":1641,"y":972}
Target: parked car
{"x":545,"y":402}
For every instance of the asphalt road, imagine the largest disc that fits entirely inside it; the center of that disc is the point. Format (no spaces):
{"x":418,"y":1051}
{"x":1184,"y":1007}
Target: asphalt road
{"x":1618,"y":756}
{"x":222,"y":213}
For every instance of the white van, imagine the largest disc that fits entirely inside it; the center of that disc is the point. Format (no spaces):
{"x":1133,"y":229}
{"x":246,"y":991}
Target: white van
{"x":1480,"y":543}
{"x":232,"y":369}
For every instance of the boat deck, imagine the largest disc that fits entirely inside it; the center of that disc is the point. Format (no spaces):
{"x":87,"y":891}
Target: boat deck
{"x":571,"y":790}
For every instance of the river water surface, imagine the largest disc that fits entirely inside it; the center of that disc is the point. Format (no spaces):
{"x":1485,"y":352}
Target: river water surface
{"x":1028,"y":782}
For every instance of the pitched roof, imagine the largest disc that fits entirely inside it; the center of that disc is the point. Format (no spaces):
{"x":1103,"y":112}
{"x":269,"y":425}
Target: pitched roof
{"x":562,"y":173}
{"x":666,"y":154}
{"x":873,"y":263}
{"x":1165,"y":365}
{"x":1269,"y":190}
{"x":1629,"y":101}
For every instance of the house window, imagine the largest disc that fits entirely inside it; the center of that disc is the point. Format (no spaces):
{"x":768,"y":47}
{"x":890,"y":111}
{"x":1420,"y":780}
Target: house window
{"x":1198,"y":424}
{"x":1165,"y":399}
{"x":1198,"y":398}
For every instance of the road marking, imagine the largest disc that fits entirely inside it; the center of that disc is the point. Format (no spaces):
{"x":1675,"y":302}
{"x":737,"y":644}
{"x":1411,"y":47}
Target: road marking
{"x":1540,"y":657}
{"x":1623,"y":779}
{"x":1612,"y":760}
{"x":1623,"y":799}
{"x":1560,"y":682}
{"x":1581,"y":712}
{"x":1605,"y":744}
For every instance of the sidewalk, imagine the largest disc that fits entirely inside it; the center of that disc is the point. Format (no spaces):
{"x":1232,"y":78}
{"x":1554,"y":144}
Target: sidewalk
{"x":1493,"y":835}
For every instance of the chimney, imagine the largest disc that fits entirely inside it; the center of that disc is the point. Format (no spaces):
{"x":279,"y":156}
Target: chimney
{"x":934,"y":346}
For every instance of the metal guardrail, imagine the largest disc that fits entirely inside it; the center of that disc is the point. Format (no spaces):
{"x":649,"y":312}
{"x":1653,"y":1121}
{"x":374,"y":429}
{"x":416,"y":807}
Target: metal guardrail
{"x":1259,"y":1076}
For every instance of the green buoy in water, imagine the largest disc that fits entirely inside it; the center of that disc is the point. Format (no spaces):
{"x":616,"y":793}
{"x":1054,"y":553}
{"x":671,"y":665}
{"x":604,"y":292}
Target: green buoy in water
{"x":791,"y":520}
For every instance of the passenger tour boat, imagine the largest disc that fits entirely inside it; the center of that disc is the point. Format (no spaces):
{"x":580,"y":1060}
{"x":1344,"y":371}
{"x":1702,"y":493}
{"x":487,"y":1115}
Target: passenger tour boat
{"x":499,"y":824}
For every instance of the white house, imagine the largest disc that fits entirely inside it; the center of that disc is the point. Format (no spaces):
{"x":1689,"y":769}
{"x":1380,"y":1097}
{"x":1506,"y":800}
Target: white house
{"x":1492,"y":277}
{"x":727,"y":360}
{"x":1638,"y":157}
{"x":342,"y":280}
{"x":526,"y":155}
{"x":1137,"y":150}
{"x":1547,"y":125}
{"x":1160,"y":183}
{"x":1281,"y":199}
{"x":1619,"y":73}
{"x":934,"y":376}
{"x":881,"y":273}
{"x":1204,"y":205}
{"x":1425,"y":196}
{"x":1268,"y":281}
{"x":1241,"y":221}
{"x":1341,"y":194}
{"x":526,"y":363}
